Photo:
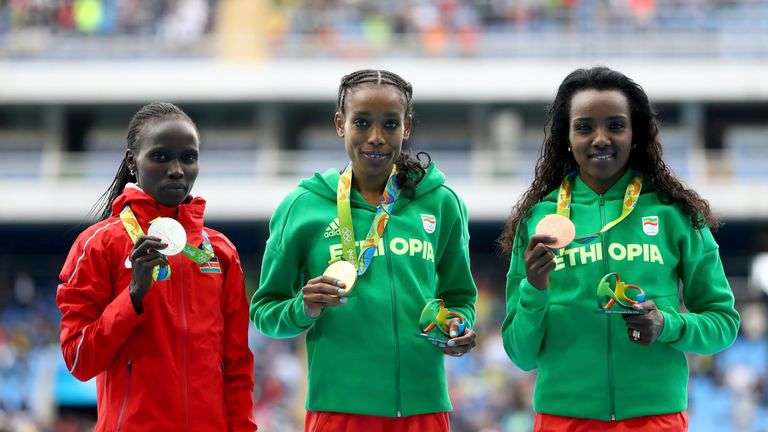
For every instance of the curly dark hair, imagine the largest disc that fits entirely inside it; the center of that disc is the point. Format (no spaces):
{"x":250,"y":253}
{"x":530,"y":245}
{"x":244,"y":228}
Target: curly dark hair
{"x":555,"y":161}
{"x":146,"y":114}
{"x":410,"y":168}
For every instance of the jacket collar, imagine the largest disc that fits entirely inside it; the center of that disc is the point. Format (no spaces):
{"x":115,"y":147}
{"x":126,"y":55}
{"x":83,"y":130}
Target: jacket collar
{"x":325,"y":184}
{"x":583,"y":194}
{"x":189,"y":213}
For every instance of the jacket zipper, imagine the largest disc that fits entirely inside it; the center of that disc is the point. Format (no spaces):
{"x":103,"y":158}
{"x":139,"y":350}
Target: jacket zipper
{"x":125,"y":398}
{"x":611,"y":384}
{"x":393,"y":293}
{"x":184,"y":341}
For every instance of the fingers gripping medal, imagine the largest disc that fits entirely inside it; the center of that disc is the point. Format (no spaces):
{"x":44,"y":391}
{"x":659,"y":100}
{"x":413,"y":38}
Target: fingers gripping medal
{"x":559,"y":227}
{"x":169,"y":231}
{"x":344,"y":271}
{"x":433,"y":323}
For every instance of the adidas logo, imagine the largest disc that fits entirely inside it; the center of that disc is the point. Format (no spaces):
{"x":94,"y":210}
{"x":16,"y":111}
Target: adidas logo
{"x":332,"y":230}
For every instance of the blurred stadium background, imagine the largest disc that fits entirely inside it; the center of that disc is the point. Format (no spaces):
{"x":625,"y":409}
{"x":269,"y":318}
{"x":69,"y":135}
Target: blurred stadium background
{"x":260,"y":77}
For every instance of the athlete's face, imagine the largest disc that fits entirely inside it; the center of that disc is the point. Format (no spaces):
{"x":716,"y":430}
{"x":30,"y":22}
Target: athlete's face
{"x":166,"y":159}
{"x":374,"y":125}
{"x":600,"y":135}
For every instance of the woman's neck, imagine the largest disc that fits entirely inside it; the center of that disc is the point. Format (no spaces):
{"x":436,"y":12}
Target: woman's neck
{"x":601,"y":186}
{"x":371,"y":188}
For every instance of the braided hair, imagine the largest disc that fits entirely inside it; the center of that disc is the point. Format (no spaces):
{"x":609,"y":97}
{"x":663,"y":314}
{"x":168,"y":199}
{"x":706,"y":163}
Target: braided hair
{"x":410,"y":168}
{"x":555,"y":161}
{"x":148,"y":113}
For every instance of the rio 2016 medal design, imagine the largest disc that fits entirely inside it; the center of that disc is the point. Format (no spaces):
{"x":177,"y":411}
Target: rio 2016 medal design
{"x":613,"y":291}
{"x":433,"y":322}
{"x":169,"y":231}
{"x":559,"y":227}
{"x":344,"y":271}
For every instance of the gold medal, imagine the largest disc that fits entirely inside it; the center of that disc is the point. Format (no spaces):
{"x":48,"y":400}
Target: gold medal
{"x":559,"y":227}
{"x":344,"y":271}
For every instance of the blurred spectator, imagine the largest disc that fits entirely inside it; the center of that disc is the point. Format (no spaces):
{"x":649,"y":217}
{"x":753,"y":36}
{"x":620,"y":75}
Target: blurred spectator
{"x":353,"y":28}
{"x":745,"y":369}
{"x":186,"y":21}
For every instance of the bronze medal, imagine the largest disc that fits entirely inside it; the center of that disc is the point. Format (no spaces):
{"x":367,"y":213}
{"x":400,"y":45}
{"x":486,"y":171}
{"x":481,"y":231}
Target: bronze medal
{"x":559,"y":227}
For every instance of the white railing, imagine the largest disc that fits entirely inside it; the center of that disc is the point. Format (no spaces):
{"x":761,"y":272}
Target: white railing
{"x":249,"y":185}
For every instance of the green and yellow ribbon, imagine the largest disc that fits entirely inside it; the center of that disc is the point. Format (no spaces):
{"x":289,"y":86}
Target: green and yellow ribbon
{"x":379,"y":224}
{"x":631,"y":195}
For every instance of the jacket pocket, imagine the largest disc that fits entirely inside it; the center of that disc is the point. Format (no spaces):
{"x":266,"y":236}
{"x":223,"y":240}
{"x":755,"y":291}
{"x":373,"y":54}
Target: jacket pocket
{"x":126,"y":395}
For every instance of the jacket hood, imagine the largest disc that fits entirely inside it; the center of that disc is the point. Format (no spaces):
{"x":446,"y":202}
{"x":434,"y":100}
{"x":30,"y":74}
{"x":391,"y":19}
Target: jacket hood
{"x":324,"y":184}
{"x":189,"y":213}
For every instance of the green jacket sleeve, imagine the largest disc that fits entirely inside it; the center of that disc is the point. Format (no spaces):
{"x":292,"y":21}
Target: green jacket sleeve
{"x":712,"y":322}
{"x":527,"y":311}
{"x":277,"y":306}
{"x":454,"y":277}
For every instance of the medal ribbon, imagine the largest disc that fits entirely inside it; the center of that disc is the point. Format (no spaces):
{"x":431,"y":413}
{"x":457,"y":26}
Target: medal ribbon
{"x":161,"y":273}
{"x":379,"y":224}
{"x":630,"y":201}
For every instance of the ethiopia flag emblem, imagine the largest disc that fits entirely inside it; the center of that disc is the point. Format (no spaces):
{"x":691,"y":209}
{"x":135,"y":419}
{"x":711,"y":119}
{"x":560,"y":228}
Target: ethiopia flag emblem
{"x":429,"y":223}
{"x":651,"y":225}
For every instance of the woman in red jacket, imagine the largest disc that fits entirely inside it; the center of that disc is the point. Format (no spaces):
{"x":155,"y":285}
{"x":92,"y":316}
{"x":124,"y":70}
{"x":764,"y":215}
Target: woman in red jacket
{"x":165,"y":335}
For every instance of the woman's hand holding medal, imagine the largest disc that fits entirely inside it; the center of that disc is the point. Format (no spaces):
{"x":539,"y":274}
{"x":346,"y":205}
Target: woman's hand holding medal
{"x":165,"y":237}
{"x":144,"y":256}
{"x":552,"y":232}
{"x":539,"y":260}
{"x":459,"y":343}
{"x":644,"y":329}
{"x":330,"y":289}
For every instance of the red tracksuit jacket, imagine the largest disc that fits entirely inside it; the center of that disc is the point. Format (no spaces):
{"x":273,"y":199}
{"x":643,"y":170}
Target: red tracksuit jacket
{"x":184,"y":363}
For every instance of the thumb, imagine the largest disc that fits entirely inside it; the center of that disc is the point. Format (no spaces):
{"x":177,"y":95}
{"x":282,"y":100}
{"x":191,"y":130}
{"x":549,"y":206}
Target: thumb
{"x":456,"y":327}
{"x":647,"y":305}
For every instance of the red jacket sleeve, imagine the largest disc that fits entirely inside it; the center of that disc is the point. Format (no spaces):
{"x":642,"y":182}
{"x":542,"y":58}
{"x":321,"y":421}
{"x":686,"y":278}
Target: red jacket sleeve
{"x":238,"y":359}
{"x":94,"y":326}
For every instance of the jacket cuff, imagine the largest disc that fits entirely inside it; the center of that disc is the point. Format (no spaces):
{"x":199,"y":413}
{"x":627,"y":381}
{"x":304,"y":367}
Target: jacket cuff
{"x":300,"y":316}
{"x":125,"y":311}
{"x":673,"y":327}
{"x":532,"y":299}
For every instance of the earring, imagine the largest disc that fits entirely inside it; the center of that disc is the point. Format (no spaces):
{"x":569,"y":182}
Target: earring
{"x":132,"y":171}
{"x":569,"y":148}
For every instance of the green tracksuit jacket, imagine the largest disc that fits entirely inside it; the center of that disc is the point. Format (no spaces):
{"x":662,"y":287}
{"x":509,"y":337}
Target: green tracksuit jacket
{"x":364,"y":356}
{"x":587,"y":366}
